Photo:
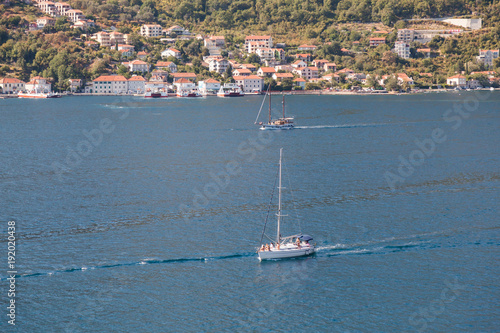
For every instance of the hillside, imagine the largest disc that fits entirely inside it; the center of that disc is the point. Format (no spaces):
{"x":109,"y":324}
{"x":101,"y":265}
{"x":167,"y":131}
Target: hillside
{"x":59,"y":51}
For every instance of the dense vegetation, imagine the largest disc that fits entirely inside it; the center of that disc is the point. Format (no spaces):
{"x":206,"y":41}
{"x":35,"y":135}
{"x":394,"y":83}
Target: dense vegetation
{"x":265,"y":14}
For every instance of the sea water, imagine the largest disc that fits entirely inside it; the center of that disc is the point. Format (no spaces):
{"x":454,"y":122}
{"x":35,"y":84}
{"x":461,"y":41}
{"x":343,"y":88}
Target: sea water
{"x":141,"y":215}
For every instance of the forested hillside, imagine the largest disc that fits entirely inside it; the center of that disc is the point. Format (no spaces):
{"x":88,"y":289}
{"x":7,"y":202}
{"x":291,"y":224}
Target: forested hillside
{"x":263,"y":14}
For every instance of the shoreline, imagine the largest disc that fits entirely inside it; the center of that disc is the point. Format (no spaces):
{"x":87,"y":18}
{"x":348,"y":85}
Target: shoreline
{"x":296,"y":92}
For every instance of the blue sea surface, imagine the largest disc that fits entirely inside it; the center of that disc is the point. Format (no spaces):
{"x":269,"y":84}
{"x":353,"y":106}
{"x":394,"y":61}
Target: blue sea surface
{"x":140,"y":215}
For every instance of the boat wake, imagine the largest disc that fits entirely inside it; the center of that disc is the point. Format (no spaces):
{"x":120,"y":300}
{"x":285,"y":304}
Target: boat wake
{"x":341,"y":126}
{"x":388,"y":245}
{"x":146,"y":261}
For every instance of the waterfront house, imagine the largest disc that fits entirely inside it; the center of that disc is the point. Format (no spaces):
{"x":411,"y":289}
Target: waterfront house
{"x":136,"y":84}
{"x":75,"y":84}
{"x":184,"y":84}
{"x":11,"y":85}
{"x":187,"y":76}
{"x":300,"y":82}
{"x":208,"y":86}
{"x":457,"y":81}
{"x":110,"y":84}
{"x":38,"y":84}
{"x":251,"y":83}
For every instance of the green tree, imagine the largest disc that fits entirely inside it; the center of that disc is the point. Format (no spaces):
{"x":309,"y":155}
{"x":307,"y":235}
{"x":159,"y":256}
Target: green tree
{"x":391,"y":84}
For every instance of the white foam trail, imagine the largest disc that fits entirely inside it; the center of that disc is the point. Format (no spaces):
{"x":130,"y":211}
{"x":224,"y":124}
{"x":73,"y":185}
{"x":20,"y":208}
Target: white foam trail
{"x":339,"y":126}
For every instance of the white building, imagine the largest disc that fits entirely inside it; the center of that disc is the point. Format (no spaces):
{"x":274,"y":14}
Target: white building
{"x":62,"y":8}
{"x":171,"y":52}
{"x":402,"y":49}
{"x":307,"y":72}
{"x":137,"y":66}
{"x":218,"y":65}
{"x":44,"y":21}
{"x":265,"y":53}
{"x":48,"y":7}
{"x":252,"y":43}
{"x":406,"y":35}
{"x":266,"y":71}
{"x":102,"y":38}
{"x":214,"y":44}
{"x":209,"y":86}
{"x":11,"y":85}
{"x":457,"y":80}
{"x":151,"y":30}
{"x":487,"y":56}
{"x":74,"y":84}
{"x":167,"y":65}
{"x":250,"y":83}
{"x":74,"y":15}
{"x":184,"y":84}
{"x":136,"y":84}
{"x":178,"y":30}
{"x":110,"y":84}
{"x":38,"y":84}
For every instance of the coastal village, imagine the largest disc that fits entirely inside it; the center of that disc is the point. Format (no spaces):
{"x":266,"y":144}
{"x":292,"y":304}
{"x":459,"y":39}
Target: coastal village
{"x":252,"y":66}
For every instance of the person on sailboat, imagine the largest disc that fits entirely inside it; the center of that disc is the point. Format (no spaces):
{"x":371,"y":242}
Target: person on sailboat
{"x":298,"y":242}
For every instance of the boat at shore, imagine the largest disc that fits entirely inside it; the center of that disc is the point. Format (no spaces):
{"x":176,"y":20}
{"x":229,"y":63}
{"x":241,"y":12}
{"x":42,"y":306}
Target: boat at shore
{"x":284,"y":247}
{"x":230,"y":90}
{"x":34,"y":94}
{"x":283,"y":123}
{"x":188,"y":93}
{"x":158,"y":93}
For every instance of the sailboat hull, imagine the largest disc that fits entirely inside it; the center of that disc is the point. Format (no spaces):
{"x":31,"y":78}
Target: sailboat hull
{"x":266,"y":127}
{"x":286,"y":253}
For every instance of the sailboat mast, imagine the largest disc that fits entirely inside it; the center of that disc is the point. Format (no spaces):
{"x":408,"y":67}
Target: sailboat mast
{"x":283,"y":102}
{"x":279,"y":200}
{"x":269,"y":106}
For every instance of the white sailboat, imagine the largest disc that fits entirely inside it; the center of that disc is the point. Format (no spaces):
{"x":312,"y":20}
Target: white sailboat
{"x":283,"y":123}
{"x":289,"y":246}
